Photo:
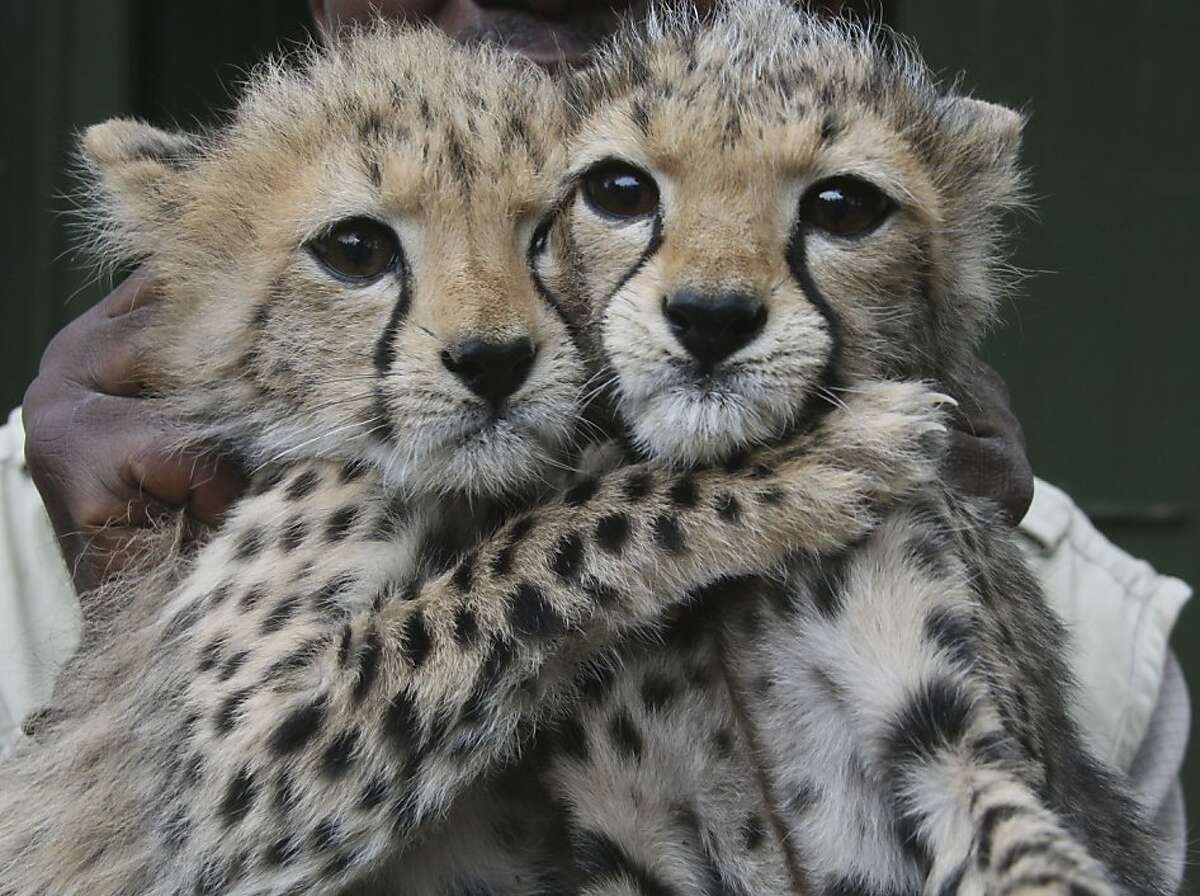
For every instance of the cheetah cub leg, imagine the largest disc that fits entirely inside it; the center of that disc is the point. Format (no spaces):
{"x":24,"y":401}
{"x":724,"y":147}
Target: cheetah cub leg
{"x":369,"y":738}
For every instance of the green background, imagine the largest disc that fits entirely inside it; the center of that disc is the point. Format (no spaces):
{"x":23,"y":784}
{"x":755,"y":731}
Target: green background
{"x":1099,"y":350}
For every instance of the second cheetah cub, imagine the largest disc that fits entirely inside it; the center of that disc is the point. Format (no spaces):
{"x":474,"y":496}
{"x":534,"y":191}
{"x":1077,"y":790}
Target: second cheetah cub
{"x":770,"y":212}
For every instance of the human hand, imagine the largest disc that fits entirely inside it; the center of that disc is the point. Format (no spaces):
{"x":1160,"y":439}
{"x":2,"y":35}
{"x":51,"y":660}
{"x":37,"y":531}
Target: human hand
{"x":103,"y":458}
{"x":987,"y":447}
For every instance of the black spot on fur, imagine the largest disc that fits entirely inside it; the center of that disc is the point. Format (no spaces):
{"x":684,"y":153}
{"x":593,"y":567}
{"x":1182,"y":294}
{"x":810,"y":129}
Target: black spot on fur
{"x":303,"y":485}
{"x":293,"y":535}
{"x":239,"y":797}
{"x":325,"y":600}
{"x":251,"y":598}
{"x":595,"y":680}
{"x":281,"y":852}
{"x":374,"y":793}
{"x":637,"y":485}
{"x":753,"y":832}
{"x":803,"y":798}
{"x":464,"y":574}
{"x":722,"y":741}
{"x":228,"y":711}
{"x":612,"y":532}
{"x":326,"y":836}
{"x":466,"y":626}
{"x":210,"y":654}
{"x":667,"y":534}
{"x":658,"y":692}
{"x":369,"y":657}
{"x":600,"y":860}
{"x":298,"y":659}
{"x":418,"y":640}
{"x":683,"y":493}
{"x":502,"y":561}
{"x":298,"y":728}
{"x":568,"y":556}
{"x":281,"y":615}
{"x":772,"y":497}
{"x":937,"y":716}
{"x":848,"y":886}
{"x":339,"y":754}
{"x":352,"y":471}
{"x":344,"y":644}
{"x":267,"y":480}
{"x":727,"y":506}
{"x":341,"y":521}
{"x":440,"y":549}
{"x":953,"y":634}
{"x":625,"y":735}
{"x":582,"y":492}
{"x":232,"y":665}
{"x":401,"y":723}
{"x":531,"y":614}
{"x":250,"y":543}
{"x":571,"y":738}
{"x":827,"y":586}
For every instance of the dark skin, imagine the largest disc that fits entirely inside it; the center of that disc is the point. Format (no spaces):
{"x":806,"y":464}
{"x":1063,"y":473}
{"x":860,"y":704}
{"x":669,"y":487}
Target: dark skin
{"x":100,"y":453}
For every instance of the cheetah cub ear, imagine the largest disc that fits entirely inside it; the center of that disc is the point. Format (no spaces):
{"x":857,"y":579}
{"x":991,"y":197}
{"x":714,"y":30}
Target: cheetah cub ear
{"x":134,"y":176}
{"x":983,"y":141}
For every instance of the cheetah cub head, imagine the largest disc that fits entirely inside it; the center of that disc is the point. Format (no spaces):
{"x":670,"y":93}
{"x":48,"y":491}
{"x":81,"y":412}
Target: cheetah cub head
{"x":765,"y":206}
{"x":346,"y":262}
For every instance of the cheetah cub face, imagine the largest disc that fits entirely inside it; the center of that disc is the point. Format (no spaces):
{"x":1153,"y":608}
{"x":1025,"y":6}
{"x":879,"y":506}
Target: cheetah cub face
{"x":345,"y":263}
{"x":766,"y":206}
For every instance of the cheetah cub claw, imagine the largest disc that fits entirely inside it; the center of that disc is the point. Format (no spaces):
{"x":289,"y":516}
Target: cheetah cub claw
{"x":894,"y":433}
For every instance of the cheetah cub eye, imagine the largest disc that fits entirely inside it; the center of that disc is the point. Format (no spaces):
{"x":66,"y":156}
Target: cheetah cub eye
{"x":845,"y":206}
{"x":618,"y":190}
{"x":357,"y":251}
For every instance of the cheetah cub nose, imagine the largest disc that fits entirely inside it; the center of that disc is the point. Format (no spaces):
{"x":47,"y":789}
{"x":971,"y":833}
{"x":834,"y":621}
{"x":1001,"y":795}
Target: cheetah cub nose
{"x":492,"y":370}
{"x":713,"y":327}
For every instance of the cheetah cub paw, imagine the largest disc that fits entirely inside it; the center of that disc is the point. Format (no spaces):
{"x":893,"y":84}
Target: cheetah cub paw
{"x":894,"y":432}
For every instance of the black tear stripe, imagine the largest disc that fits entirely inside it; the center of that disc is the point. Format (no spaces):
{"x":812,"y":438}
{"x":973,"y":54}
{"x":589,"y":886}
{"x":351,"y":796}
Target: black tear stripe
{"x":543,"y":229}
{"x":817,"y":405}
{"x":385,"y":349}
{"x":655,"y":243}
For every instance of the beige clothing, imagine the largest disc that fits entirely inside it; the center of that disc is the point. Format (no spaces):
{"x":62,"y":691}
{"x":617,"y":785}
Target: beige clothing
{"x":1133,"y":702}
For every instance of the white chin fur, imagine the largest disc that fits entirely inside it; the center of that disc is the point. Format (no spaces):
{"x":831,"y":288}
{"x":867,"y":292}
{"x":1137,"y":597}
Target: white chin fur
{"x":476,"y":457}
{"x":690,"y":424}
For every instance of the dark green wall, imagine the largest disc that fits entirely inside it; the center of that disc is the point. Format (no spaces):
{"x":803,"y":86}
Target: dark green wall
{"x":65,"y":64}
{"x":1099,"y":350}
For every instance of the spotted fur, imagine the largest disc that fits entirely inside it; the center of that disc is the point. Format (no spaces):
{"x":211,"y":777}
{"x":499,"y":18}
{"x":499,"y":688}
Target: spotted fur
{"x":343,"y":675}
{"x":904,"y":707}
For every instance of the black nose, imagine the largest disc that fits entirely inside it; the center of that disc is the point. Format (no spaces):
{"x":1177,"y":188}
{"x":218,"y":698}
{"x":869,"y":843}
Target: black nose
{"x":492,"y":370}
{"x":713,"y":327}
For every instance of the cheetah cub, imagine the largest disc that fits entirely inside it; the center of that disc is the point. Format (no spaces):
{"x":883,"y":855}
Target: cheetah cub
{"x":342,"y":666}
{"x":770,"y":210}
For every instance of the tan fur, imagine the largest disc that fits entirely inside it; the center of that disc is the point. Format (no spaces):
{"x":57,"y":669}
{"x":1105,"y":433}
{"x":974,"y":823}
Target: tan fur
{"x":310,"y":700}
{"x":735,"y":122}
{"x":906,"y":703}
{"x":255,"y":341}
